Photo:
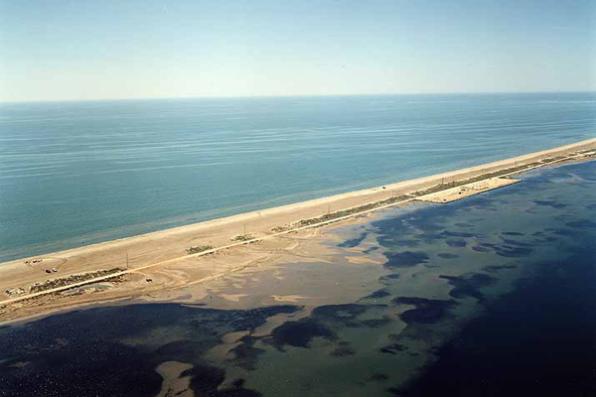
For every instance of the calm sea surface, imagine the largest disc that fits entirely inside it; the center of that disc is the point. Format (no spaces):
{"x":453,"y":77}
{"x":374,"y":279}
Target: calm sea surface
{"x":77,"y":173}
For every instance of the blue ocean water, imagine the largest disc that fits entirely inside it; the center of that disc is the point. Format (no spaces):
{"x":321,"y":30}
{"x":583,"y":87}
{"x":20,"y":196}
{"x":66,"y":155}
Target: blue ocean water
{"x":75,"y":173}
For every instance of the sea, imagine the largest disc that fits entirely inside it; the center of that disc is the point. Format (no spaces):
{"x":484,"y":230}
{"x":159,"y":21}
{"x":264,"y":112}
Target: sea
{"x":76,"y":173}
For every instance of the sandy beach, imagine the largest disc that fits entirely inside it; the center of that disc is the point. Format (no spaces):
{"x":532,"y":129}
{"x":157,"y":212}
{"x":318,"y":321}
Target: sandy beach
{"x":203,"y":252}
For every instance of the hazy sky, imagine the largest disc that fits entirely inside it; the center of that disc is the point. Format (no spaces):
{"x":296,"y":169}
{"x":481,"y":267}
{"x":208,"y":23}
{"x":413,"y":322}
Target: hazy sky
{"x":54,"y":50}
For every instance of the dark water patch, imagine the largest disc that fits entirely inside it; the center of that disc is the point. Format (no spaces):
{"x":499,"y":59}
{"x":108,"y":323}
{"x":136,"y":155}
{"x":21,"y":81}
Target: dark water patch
{"x":515,"y":242}
{"x":347,"y":311}
{"x":567,"y":232}
{"x":300,"y":333}
{"x":548,"y":239}
{"x":342,"y":316}
{"x":343,"y":349}
{"x":582,"y":224}
{"x":541,"y":237}
{"x":206,"y":379}
{"x":488,"y":245}
{"x":480,"y":248}
{"x":405,"y":259}
{"x":468,"y":285}
{"x":83,"y":353}
{"x":427,"y":225}
{"x":370,"y":249}
{"x":550,"y":203}
{"x":351,"y":243}
{"x":513,"y":252}
{"x":116,"y":323}
{"x":497,"y":268}
{"x":586,"y":173}
{"x":561,"y":231}
{"x":253,"y":318}
{"x":407,"y":243}
{"x":393,"y":348}
{"x":564,"y":232}
{"x":448,"y":233}
{"x":426,"y":220}
{"x":109,"y":369}
{"x":391,"y":241}
{"x":426,"y":311}
{"x":429,"y":238}
{"x":185,"y":350}
{"x":431,"y":266}
{"x":378,"y":294}
{"x":456,"y":243}
{"x":389,"y":279}
{"x":447,"y":255}
{"x":512,"y":233}
{"x":536,"y":341}
{"x":245,"y":355}
{"x":375,"y":322}
{"x":480,"y":202}
{"x":378,"y":377}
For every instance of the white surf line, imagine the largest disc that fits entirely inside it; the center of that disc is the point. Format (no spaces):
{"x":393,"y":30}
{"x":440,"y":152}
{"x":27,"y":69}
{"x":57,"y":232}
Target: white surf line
{"x":256,"y":239}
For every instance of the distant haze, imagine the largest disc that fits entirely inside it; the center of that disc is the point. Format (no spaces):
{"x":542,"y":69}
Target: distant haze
{"x":79,"y":50}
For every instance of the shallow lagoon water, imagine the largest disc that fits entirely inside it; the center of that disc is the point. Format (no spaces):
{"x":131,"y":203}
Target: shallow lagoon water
{"x":75,"y":173}
{"x":490,"y":295}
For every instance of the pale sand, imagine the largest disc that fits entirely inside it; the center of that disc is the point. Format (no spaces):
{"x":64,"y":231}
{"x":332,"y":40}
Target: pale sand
{"x":469,"y":189}
{"x":174,"y":384}
{"x":161,"y":256}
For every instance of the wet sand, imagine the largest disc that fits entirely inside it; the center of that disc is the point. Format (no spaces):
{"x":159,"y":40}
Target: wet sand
{"x":160,"y":261}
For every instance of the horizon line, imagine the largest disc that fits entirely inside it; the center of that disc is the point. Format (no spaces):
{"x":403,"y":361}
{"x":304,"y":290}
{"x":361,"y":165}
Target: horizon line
{"x":295,"y":96}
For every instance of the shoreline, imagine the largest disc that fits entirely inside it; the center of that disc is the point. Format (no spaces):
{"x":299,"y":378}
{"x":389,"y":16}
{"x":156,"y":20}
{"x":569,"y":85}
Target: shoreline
{"x":246,"y":216}
{"x":141,"y":262}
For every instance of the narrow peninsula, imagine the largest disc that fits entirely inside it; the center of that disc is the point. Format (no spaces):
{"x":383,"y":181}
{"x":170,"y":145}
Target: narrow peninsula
{"x":198,"y":253}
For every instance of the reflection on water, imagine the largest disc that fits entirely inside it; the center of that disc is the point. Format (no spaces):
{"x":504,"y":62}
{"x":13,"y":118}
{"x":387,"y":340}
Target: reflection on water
{"x":491,"y":295}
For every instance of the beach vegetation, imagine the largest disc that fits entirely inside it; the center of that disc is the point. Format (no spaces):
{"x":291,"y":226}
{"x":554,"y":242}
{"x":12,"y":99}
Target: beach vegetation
{"x":75,"y":278}
{"x":243,"y":237}
{"x":198,"y":248}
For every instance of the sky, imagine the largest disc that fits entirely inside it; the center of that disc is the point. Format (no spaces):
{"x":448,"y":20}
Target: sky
{"x":83,"y":50}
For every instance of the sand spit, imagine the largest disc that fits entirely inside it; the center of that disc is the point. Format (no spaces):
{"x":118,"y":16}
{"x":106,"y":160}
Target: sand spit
{"x":206,"y":251}
{"x":469,"y":189}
